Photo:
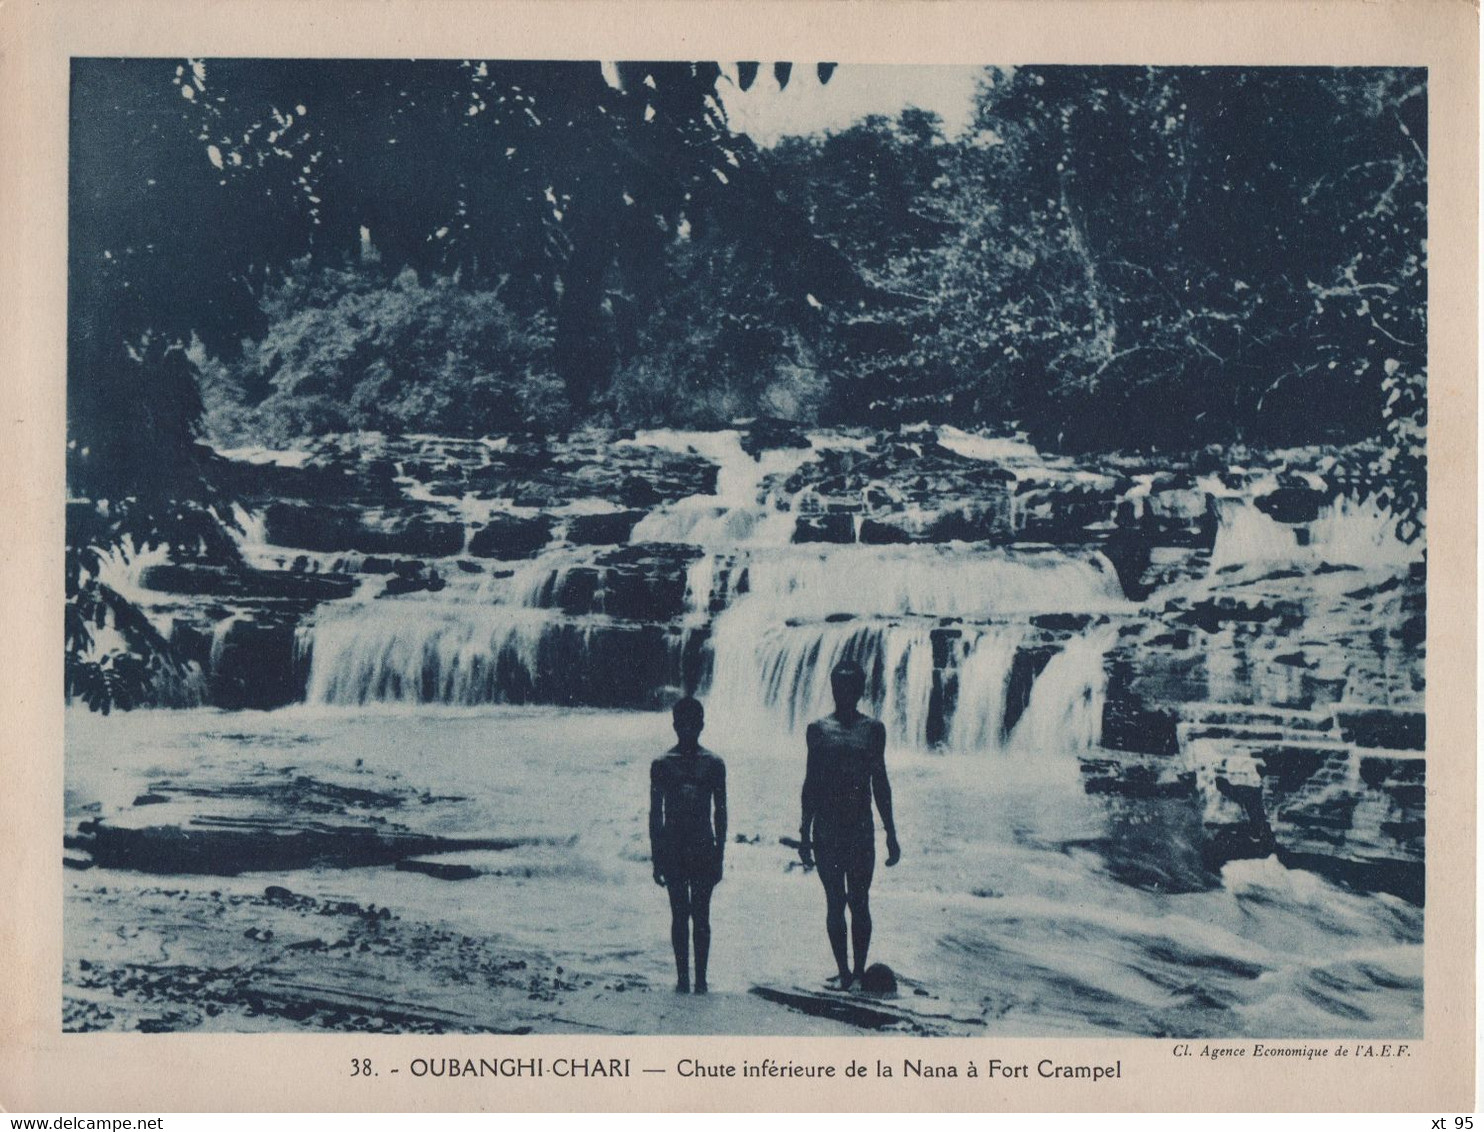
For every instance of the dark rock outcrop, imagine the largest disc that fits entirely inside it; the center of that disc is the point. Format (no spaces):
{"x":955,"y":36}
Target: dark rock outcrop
{"x":825,"y":528}
{"x":1064,"y":511}
{"x":508,"y":536}
{"x":413,"y":582}
{"x":875,"y":532}
{"x":256,"y":666}
{"x":764,"y":433}
{"x":223,"y":848}
{"x":245,"y":583}
{"x":1129,"y":726}
{"x":603,"y":530}
{"x":980,"y":522}
{"x":319,"y":527}
{"x":638,"y":582}
{"x":1392,"y":728}
{"x":1211,"y":614}
{"x":1293,"y":504}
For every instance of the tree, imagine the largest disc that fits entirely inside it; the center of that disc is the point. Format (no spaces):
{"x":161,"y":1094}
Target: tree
{"x":197,"y":184}
{"x":347,"y":349}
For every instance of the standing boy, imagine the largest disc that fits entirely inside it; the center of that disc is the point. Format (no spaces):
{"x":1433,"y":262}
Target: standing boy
{"x":687,"y":785}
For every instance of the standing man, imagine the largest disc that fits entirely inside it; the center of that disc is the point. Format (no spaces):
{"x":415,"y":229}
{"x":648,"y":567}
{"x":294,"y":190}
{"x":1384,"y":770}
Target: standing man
{"x":847,"y":766}
{"x":686,"y":785}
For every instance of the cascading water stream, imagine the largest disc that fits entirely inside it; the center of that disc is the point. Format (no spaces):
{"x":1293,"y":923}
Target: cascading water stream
{"x":1344,"y":532}
{"x":737,"y":513}
{"x":1065,"y":710}
{"x":909,"y":616}
{"x":943,"y":631}
{"x":996,"y":656}
{"x":984,"y":678}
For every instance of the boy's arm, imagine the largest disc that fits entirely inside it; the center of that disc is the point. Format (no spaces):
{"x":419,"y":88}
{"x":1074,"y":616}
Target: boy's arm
{"x":656,"y":819}
{"x":881,"y":788}
{"x":719,"y":801}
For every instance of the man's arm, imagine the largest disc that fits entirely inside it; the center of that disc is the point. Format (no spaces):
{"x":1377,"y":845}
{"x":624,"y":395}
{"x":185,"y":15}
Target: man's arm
{"x":656,"y":819}
{"x":881,"y":788}
{"x":810,"y":798}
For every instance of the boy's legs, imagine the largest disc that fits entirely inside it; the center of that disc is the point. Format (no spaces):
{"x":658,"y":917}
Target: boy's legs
{"x":700,"y":912}
{"x":680,"y":911}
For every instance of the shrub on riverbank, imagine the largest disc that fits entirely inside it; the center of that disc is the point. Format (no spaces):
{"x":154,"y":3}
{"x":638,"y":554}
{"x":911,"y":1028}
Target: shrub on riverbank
{"x":349,"y":349}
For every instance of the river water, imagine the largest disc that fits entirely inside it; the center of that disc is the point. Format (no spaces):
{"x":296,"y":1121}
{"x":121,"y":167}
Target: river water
{"x":1009,"y":898}
{"x":1047,"y":910}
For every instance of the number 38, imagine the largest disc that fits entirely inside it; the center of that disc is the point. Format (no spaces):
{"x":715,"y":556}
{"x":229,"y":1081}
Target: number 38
{"x":360,"y":1067}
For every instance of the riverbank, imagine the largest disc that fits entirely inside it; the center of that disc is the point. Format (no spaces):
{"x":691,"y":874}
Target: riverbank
{"x":1011,"y":909}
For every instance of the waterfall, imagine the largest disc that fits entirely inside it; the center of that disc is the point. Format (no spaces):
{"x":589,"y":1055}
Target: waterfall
{"x":121,"y":567}
{"x":778,"y":680}
{"x":700,"y":582}
{"x":998,"y":449}
{"x":254,"y":530}
{"x":739,"y":513}
{"x":754,"y":624}
{"x":928,"y":581}
{"x":1065,"y":712}
{"x":805,"y":611}
{"x":426,"y":652}
{"x":1361,"y":533}
{"x":983,"y":686}
{"x":220,"y":632}
{"x":1345,"y":532}
{"x":939,"y":631}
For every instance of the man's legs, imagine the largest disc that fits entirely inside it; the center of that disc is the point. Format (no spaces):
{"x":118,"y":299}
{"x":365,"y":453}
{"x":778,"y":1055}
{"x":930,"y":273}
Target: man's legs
{"x":700,"y":913}
{"x":858,"y":897}
{"x":680,"y":909}
{"x":832,"y":876}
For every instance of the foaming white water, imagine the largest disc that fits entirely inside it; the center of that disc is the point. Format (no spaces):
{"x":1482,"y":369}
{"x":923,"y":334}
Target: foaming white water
{"x":701,"y":521}
{"x":1346,"y":532}
{"x":533,"y":584}
{"x":1063,"y":715}
{"x":788,"y":616}
{"x":220,"y":632}
{"x":803,"y":612}
{"x":778,"y":680}
{"x":252,"y":538}
{"x":984,"y":678}
{"x":998,"y":449}
{"x":1359,"y":533}
{"x":1065,"y":712}
{"x":253,"y":531}
{"x":931,"y":581}
{"x":700,"y":580}
{"x":121,"y":568}
{"x":738,"y":513}
{"x":426,"y":652}
{"x":257,"y":454}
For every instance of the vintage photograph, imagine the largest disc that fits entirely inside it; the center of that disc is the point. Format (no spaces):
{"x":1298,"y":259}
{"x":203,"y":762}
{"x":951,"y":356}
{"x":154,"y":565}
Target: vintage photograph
{"x":745,"y":548}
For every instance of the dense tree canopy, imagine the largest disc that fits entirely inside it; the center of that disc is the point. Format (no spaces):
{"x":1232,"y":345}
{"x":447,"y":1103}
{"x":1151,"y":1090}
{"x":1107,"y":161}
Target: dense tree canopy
{"x":1129,"y":256}
{"x":1244,"y":246}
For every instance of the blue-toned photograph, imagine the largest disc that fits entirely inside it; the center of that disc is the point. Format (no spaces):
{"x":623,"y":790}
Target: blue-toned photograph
{"x":747,"y":548}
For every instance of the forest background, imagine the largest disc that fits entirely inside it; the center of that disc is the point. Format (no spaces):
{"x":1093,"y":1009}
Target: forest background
{"x":1106,"y":258}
